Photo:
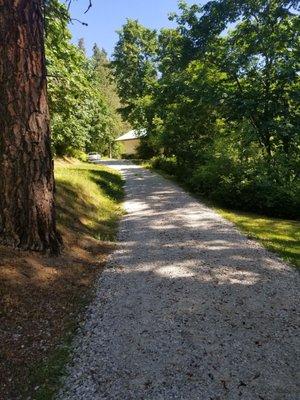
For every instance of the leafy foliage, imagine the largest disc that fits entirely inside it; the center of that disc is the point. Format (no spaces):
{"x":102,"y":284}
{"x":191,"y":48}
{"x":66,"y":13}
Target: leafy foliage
{"x":135,"y":71}
{"x":82,"y":96}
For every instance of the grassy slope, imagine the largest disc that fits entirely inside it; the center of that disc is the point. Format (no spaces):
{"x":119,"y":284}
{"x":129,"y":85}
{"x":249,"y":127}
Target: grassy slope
{"x":41,"y":297}
{"x":93,"y":194}
{"x":278,"y":235}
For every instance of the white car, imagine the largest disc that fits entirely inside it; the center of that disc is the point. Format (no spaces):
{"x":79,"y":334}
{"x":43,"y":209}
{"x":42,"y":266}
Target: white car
{"x":93,"y":157}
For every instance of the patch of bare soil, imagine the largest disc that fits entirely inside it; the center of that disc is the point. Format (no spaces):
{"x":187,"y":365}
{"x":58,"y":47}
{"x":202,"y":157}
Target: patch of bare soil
{"x":40,"y":300}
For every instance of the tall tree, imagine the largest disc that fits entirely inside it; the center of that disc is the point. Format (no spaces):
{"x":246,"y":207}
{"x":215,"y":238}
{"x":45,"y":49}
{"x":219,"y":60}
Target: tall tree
{"x":27,"y":212}
{"x":135,"y":70}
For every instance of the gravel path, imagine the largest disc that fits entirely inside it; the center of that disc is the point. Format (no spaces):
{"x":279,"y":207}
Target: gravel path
{"x":188,"y":308}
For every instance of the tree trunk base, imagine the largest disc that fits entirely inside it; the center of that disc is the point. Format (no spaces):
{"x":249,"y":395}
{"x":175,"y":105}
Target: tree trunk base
{"x":52,"y":247}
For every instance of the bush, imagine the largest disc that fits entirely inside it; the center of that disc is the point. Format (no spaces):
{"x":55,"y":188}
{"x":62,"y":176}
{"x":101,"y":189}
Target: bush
{"x":248,"y":187}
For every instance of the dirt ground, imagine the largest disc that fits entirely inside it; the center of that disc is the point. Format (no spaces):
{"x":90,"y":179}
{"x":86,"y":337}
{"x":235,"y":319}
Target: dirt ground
{"x":40,"y":298}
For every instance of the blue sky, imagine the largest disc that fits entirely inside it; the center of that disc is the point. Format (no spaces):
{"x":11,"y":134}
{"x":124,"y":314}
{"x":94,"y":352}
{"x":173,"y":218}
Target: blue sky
{"x":107,"y":16}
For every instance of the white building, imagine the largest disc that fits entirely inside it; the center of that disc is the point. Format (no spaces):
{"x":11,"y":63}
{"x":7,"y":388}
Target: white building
{"x":130,"y":141}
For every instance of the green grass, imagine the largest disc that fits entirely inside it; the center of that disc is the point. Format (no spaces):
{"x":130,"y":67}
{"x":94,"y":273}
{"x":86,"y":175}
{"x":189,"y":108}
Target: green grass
{"x":280,"y":236}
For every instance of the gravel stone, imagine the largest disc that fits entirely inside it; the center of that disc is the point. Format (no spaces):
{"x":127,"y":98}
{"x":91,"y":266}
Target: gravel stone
{"x":188,"y":308}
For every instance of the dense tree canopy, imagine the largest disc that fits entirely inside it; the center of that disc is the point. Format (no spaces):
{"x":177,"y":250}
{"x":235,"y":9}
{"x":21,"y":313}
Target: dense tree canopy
{"x":220,"y":93}
{"x":135,"y":68}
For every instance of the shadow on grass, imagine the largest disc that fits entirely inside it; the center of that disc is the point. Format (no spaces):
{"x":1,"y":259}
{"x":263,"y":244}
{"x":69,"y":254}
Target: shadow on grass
{"x":111,"y":184}
{"x":97,"y":220}
{"x":40,"y":299}
{"x":71,"y":208}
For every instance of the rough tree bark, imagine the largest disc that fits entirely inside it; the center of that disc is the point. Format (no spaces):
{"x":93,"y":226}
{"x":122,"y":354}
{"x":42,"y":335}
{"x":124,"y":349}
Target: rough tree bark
{"x":27,"y":212}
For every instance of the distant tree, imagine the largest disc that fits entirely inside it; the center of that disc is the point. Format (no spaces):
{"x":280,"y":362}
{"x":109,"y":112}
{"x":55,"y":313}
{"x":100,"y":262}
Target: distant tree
{"x":81,"y":45}
{"x":99,"y":55}
{"x":102,"y":135}
{"x":82,"y":94}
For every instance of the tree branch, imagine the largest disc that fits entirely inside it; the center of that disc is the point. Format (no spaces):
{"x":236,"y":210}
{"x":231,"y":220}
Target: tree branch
{"x":78,"y":20}
{"x":89,"y":6}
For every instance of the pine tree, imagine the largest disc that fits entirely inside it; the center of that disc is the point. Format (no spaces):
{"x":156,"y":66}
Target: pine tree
{"x":27,"y":212}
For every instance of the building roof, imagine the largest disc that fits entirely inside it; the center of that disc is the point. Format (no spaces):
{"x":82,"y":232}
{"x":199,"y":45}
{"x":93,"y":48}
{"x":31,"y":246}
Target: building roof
{"x":134,"y":134}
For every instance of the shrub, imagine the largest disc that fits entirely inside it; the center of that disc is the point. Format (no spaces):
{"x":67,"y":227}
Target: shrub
{"x":249,"y":187}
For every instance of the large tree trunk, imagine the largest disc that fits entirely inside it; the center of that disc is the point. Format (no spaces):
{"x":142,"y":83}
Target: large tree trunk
{"x":27,"y":213}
